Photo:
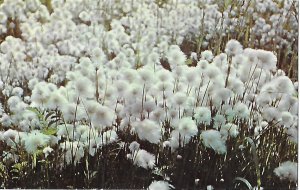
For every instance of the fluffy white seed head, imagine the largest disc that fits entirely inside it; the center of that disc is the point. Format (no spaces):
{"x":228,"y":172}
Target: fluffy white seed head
{"x":287,"y":170}
{"x":212,"y":139}
{"x":203,"y":115}
{"x":34,"y":140}
{"x":144,"y":159}
{"x":162,"y":185}
{"x":207,"y":55}
{"x":148,"y":130}
{"x":233,"y":47}
{"x":104,"y":116}
{"x":187,"y":127}
{"x":176,"y":58}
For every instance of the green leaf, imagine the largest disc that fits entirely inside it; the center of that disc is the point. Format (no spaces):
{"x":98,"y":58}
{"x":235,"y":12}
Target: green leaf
{"x":19,"y":166}
{"x":39,"y":153}
{"x":189,"y":61}
{"x":53,"y":122}
{"x":37,"y":112}
{"x":49,"y":131}
{"x":2,"y":170}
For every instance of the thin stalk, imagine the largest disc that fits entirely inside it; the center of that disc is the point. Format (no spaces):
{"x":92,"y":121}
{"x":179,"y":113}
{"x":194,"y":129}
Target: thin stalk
{"x":256,"y":162}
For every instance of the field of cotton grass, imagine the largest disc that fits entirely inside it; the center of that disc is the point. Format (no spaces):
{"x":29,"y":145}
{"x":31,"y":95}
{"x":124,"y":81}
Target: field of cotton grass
{"x":149,"y":94}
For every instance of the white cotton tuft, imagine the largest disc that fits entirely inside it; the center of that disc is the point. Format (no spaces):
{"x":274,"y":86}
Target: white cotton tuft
{"x":175,"y":57}
{"x":287,"y":170}
{"x":271,"y":113}
{"x":149,"y":106}
{"x":34,"y":140}
{"x":56,"y":100}
{"x":202,"y":65}
{"x":84,"y":16}
{"x":72,"y":150}
{"x":40,"y":94}
{"x":104,"y":116}
{"x":284,"y":85}
{"x":219,"y":120}
{"x":293,"y":134}
{"x":17,"y":91}
{"x":84,"y":87}
{"x":221,"y":95}
{"x":144,"y":159}
{"x":65,"y":131}
{"x":286,"y":119}
{"x":203,"y":115}
{"x":146,"y":75}
{"x":191,"y":75}
{"x":207,"y":55}
{"x":157,"y":115}
{"x":47,"y":150}
{"x":233,"y":47}
{"x":266,"y":59}
{"x":179,"y":98}
{"x":177,"y":140}
{"x":148,"y":130}
{"x":236,"y":85}
{"x":241,"y":110}
{"x":108,"y":137}
{"x":194,"y":56}
{"x":161,"y":185}
{"x":164,"y":75}
{"x":187,"y":127}
{"x":70,"y":110}
{"x":261,"y":58}
{"x":134,"y":146}
{"x":91,"y":107}
{"x":230,"y":129}
{"x":212,"y":139}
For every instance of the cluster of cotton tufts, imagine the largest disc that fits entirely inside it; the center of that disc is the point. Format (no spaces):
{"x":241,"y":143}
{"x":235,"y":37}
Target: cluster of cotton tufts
{"x":53,"y":41}
{"x":11,"y":138}
{"x":34,"y":140}
{"x":261,"y":58}
{"x":287,"y":170}
{"x":269,"y":29}
{"x":143,"y":107}
{"x":74,"y":151}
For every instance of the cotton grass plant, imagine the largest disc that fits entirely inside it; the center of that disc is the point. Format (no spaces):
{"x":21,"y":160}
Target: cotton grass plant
{"x":148,"y":94}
